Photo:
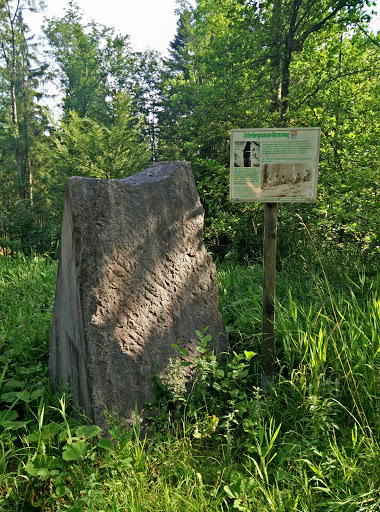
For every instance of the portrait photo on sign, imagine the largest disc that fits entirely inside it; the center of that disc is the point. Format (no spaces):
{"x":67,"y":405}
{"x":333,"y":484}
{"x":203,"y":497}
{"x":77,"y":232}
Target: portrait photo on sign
{"x":247,"y":154}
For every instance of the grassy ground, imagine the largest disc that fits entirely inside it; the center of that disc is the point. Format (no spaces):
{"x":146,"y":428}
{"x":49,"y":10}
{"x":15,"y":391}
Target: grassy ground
{"x":312,"y":444}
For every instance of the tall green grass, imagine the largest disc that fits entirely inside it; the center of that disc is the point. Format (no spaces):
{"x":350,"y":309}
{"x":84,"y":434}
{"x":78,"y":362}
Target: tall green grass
{"x":327,"y":390}
{"x":311,"y":444}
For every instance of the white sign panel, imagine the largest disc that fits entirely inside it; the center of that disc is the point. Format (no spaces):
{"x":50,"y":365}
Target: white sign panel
{"x":274,"y":165}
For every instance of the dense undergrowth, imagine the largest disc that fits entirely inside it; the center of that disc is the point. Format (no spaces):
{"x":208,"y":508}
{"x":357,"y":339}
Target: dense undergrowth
{"x":311,"y":444}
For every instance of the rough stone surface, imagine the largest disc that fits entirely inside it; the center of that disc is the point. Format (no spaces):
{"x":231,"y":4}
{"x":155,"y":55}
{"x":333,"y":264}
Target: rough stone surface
{"x":133,"y":278}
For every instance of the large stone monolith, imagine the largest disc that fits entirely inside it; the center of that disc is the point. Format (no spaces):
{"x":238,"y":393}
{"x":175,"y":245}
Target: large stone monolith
{"x":133,"y":278}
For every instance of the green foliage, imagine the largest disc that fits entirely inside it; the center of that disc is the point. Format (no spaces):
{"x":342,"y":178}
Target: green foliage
{"x":231,"y":64}
{"x":88,"y":57}
{"x":145,"y":93}
{"x":310,"y":444}
{"x":242,"y":64}
{"x":23,"y":122}
{"x":91,"y":149}
{"x":108,"y":126}
{"x":231,"y":230}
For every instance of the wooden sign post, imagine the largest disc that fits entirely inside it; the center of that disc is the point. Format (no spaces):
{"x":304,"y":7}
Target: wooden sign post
{"x":269,"y":294}
{"x":273,"y":165}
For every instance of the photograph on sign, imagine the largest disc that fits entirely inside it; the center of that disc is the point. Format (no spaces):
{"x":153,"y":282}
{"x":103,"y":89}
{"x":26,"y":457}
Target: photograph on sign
{"x":274,"y":164}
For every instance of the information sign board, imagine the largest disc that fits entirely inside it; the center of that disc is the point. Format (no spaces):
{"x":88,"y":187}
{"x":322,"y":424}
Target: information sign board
{"x":274,"y":165}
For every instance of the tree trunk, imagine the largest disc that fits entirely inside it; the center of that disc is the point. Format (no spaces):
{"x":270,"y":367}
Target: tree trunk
{"x":13,"y":72}
{"x":20,"y":177}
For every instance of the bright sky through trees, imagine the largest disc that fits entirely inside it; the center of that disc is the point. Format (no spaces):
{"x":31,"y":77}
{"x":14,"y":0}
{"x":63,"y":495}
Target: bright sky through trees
{"x":149,"y":23}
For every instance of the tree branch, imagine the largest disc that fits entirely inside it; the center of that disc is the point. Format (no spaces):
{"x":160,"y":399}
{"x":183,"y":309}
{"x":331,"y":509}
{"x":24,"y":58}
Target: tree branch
{"x":376,"y":43}
{"x":332,"y":79}
{"x":317,"y":26}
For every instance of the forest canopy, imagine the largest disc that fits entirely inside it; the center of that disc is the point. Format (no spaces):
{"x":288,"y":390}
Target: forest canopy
{"x":232,"y":64}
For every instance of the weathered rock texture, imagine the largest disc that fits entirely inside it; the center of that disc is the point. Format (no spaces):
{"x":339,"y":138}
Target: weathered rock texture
{"x":133,"y":278}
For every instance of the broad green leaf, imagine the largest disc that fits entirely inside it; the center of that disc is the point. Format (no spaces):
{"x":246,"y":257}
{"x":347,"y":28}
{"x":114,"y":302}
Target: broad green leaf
{"x":61,"y":490}
{"x":87,"y":431}
{"x":36,"y":394}
{"x":105,"y":443}
{"x":8,"y":414}
{"x":75,"y":450}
